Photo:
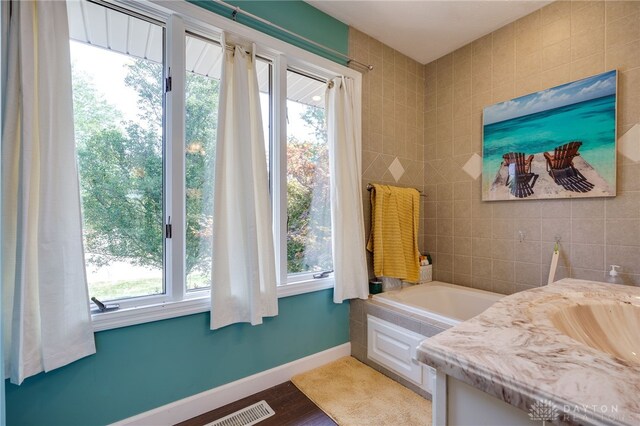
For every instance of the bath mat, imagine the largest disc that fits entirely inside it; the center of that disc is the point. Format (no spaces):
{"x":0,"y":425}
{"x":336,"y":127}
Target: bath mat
{"x":353,"y":394}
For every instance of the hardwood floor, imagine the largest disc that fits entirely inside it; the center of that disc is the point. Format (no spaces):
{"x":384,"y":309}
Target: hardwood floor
{"x":292,"y":408}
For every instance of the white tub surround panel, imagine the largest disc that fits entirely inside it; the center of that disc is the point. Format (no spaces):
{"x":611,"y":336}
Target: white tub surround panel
{"x":514,"y":353}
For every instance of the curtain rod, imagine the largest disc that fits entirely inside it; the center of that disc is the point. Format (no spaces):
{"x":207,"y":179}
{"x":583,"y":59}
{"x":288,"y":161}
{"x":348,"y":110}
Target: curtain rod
{"x":370,"y":187}
{"x":237,"y":10}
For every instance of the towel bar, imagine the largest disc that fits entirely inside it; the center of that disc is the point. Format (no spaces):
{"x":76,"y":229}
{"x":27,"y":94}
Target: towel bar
{"x":370,"y":187}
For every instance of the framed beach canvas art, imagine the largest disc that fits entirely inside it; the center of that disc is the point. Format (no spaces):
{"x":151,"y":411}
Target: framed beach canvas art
{"x":556,"y":143}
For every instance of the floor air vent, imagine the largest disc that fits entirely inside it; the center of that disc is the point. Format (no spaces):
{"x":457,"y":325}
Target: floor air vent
{"x":247,"y":416}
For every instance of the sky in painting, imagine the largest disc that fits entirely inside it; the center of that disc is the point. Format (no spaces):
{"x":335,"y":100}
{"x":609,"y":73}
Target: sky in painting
{"x":579,"y":91}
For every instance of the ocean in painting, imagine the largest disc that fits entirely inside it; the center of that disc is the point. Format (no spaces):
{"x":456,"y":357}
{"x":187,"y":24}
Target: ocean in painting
{"x":591,"y":121}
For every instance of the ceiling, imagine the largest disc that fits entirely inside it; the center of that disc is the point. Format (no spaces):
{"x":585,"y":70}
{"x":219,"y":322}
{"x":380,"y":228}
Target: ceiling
{"x":428,"y":29}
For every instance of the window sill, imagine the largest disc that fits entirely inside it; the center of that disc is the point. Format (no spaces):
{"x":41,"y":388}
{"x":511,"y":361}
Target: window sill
{"x":143,"y":314}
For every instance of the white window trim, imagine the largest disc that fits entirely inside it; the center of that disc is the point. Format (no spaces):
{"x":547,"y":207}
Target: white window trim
{"x":199,"y":302}
{"x":179,"y":15}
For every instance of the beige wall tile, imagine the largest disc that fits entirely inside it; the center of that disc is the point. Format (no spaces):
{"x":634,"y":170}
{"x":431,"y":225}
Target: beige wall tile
{"x":503,"y":287}
{"x":528,"y":251}
{"x":480,"y":267}
{"x":444,"y":244}
{"x":623,"y":57}
{"x":629,"y":177}
{"x":587,"y":231}
{"x":444,"y":262}
{"x":444,"y":96}
{"x":462,"y":226}
{"x":528,"y":274}
{"x":556,"y":209}
{"x":445,"y":192}
{"x":481,"y":283}
{"x":588,"y":66}
{"x":624,"y":232}
{"x":623,"y":30}
{"x":615,"y":10}
{"x":556,"y":227}
{"x":625,"y":206}
{"x":626,"y":257}
{"x":503,"y":228}
{"x":503,"y":270}
{"x":445,"y":209}
{"x":481,"y":53}
{"x":586,"y":16}
{"x":589,"y":208}
{"x":431,"y":116}
{"x":462,"y":209}
{"x":554,"y":11}
{"x":462,"y":265}
{"x":556,"y":31}
{"x":587,"y":256}
{"x":430,"y":226}
{"x":527,"y":65}
{"x":503,"y":249}
{"x":588,"y":43}
{"x":503,"y":92}
{"x":628,"y":100}
{"x":556,"y":76}
{"x":481,"y":81}
{"x":527,"y":229}
{"x":461,"y":70}
{"x":528,"y":33}
{"x":528,"y":85}
{"x":587,"y":274}
{"x":444,"y":227}
{"x":556,"y":54}
{"x":462,"y":191}
{"x":462,"y":246}
{"x":482,"y":228}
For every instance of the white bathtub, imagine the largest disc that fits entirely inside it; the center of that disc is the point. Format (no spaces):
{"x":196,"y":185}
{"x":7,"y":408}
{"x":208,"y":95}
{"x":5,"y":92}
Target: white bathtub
{"x":443,"y":302}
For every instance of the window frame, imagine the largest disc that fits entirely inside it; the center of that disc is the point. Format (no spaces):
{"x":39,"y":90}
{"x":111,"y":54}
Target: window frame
{"x":297,"y":277}
{"x":179,"y":19}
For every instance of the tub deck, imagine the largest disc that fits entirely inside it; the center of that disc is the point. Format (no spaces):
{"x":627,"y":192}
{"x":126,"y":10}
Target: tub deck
{"x":443,"y":302}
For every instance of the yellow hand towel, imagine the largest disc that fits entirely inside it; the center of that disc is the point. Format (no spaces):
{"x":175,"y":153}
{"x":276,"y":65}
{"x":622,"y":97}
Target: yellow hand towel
{"x":395,"y":214}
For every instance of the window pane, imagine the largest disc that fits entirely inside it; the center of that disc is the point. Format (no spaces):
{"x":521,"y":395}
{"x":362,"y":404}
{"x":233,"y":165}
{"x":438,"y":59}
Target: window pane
{"x":308,"y":198}
{"x":263,"y":69}
{"x":204,"y":61}
{"x":118,"y":123}
{"x":204,"y":66}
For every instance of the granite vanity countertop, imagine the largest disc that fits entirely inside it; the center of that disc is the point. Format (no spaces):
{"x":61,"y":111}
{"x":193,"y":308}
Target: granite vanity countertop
{"x":512,"y":351}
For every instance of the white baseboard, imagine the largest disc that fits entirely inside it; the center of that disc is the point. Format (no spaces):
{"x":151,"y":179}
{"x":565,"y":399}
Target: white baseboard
{"x":203,"y":402}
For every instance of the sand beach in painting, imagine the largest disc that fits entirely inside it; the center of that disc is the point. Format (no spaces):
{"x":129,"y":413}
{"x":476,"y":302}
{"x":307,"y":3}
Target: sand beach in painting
{"x":582,"y":111}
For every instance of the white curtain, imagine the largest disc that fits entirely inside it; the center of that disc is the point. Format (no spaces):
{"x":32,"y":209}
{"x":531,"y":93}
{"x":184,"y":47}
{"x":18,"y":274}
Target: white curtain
{"x":243,"y":272}
{"x":45,"y":299}
{"x":344,"y":116}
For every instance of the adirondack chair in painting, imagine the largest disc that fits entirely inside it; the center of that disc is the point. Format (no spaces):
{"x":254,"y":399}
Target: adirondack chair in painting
{"x":561,"y":169}
{"x":561,"y":161}
{"x":510,"y":157}
{"x":520,"y":179}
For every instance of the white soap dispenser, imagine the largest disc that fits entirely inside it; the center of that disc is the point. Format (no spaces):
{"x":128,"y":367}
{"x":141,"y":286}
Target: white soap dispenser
{"x":614,"y":276}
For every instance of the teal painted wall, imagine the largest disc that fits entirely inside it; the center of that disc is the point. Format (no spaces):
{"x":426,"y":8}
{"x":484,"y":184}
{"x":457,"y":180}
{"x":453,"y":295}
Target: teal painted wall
{"x":296,"y":16}
{"x":141,"y":367}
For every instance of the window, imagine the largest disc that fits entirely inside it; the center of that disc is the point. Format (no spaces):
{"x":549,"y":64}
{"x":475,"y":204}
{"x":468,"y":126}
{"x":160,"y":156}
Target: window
{"x":146,"y":89}
{"x":118,"y":122}
{"x":308,"y":198}
{"x":203,"y":65}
